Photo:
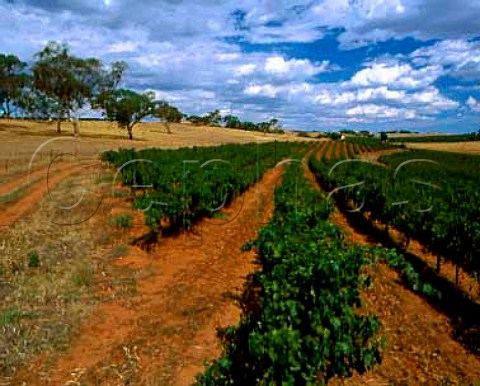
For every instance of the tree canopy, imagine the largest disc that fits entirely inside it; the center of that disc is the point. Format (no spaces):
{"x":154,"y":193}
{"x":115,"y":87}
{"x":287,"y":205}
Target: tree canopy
{"x":13,"y":80}
{"x":127,"y":108}
{"x":212,"y":118}
{"x":167,"y":113}
{"x":69,"y":82}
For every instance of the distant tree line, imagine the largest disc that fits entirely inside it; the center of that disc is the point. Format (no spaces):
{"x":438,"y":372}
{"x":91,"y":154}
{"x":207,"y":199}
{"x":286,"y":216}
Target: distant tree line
{"x":271,"y":126}
{"x":215,"y":118}
{"x":364,"y":133}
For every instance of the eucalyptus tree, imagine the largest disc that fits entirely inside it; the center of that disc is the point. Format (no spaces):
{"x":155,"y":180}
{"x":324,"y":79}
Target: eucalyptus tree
{"x":13,"y":80}
{"x":167,"y":113}
{"x":127,"y":108}
{"x":69,"y":82}
{"x":231,"y":121}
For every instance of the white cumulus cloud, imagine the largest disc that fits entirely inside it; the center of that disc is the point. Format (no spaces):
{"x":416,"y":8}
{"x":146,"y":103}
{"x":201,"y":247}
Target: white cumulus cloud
{"x":459,"y":57}
{"x":279,"y":66}
{"x":473,"y":104}
{"x":381,"y":111}
{"x":401,"y":76}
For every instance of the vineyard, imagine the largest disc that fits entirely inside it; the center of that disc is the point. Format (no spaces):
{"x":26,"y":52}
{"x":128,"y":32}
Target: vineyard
{"x":179,"y":187}
{"x":260,"y":264}
{"x":351,"y":148}
{"x":182,"y":186}
{"x":431,"y":196}
{"x":300,"y":323}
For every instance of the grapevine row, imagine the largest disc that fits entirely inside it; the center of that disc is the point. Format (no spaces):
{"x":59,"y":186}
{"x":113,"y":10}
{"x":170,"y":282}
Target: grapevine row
{"x":351,"y":148}
{"x":183,"y":185}
{"x":300,"y":325}
{"x":435,"y":199}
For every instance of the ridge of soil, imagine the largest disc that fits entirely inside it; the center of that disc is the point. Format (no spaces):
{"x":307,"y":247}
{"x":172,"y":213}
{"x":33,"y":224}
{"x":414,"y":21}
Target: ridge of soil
{"x":329,"y":152}
{"x":337,"y":153}
{"x":25,"y":178}
{"x":320,"y":150}
{"x":37,"y":190}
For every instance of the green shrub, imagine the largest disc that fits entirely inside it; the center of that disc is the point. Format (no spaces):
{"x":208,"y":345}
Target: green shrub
{"x":9,"y":315}
{"x":123,"y":220}
{"x":33,"y":259}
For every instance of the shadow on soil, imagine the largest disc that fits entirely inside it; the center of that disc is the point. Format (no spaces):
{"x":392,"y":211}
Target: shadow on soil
{"x":464,"y":313}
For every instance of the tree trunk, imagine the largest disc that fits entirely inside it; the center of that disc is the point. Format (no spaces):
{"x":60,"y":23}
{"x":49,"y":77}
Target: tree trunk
{"x":59,"y":125}
{"x":167,"y":126}
{"x":130,"y":134}
{"x":7,"y":108}
{"x":76,"y":131}
{"x":438,"y":263}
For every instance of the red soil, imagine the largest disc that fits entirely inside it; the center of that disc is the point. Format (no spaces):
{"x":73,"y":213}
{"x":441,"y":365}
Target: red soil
{"x":321,"y":150}
{"x":168,"y":329}
{"x":350,"y":152}
{"x":330,"y":149}
{"x":420,"y":348}
{"x":30,"y":199}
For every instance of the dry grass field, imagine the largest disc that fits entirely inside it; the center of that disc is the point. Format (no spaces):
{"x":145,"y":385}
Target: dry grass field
{"x":20,"y":140}
{"x":106,"y":135}
{"x":456,"y":147}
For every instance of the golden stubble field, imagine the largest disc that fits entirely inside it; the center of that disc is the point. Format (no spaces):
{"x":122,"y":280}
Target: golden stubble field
{"x":20,"y":137}
{"x":456,"y":147}
{"x":24,"y":141}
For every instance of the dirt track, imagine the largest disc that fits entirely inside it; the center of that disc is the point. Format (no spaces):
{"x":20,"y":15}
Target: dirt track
{"x":42,"y":182}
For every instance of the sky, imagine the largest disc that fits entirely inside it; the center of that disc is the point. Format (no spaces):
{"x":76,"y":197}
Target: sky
{"x":315,"y":65}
